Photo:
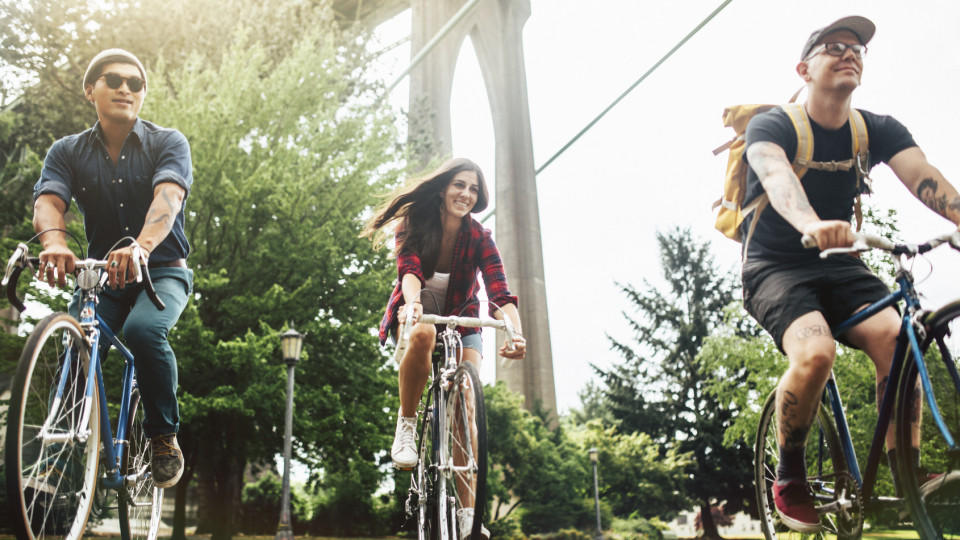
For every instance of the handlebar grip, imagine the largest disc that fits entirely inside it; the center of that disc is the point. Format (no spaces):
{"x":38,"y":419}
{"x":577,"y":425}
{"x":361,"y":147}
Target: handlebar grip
{"x":151,"y":292}
{"x":32,"y":262}
{"x":12,"y":289}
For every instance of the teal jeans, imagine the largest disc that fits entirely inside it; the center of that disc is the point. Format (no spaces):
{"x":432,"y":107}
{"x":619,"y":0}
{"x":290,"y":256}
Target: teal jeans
{"x":144,"y":330}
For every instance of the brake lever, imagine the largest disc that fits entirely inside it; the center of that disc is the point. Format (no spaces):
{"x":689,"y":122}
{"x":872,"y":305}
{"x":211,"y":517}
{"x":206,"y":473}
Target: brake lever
{"x":15,"y":260}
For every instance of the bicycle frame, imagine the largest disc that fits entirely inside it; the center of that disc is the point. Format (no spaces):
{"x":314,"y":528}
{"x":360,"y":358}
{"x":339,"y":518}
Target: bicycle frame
{"x":910,"y":321}
{"x":93,"y":326}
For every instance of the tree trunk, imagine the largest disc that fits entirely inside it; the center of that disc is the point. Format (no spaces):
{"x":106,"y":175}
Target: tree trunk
{"x":225,"y":502}
{"x":706,"y":519}
{"x":180,"y":500}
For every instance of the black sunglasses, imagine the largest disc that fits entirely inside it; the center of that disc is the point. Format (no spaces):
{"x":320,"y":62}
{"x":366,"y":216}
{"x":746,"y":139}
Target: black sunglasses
{"x":135,"y":84}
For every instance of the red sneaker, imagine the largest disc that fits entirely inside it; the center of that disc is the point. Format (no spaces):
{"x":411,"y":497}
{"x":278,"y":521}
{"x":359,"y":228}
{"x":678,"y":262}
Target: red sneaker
{"x":795,"y":506}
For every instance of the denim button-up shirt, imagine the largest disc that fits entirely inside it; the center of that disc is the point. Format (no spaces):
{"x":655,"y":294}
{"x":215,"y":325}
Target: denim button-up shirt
{"x":114,"y":199}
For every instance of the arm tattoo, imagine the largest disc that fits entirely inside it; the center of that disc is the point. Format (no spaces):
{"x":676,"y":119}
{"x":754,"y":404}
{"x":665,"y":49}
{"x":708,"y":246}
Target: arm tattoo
{"x":810,"y":331}
{"x":954,"y":204}
{"x":156,"y":215}
{"x":927,"y":193}
{"x":779,"y":181}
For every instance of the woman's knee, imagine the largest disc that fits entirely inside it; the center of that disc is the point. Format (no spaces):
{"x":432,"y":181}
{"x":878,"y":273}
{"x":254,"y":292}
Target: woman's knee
{"x":423,"y":336}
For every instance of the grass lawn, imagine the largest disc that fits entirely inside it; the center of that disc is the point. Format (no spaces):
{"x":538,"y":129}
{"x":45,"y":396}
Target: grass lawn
{"x":870,"y":535}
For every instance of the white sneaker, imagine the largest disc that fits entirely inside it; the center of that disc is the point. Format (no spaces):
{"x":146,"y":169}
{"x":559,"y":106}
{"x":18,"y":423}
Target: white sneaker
{"x":465,"y":524}
{"x":404,"y":451}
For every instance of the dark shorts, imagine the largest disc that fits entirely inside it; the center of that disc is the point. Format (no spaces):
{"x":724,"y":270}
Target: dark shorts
{"x":778,"y":293}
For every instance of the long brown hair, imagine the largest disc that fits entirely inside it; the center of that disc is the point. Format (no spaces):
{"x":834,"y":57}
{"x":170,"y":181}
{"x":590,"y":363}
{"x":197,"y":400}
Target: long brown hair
{"x":420,"y":205}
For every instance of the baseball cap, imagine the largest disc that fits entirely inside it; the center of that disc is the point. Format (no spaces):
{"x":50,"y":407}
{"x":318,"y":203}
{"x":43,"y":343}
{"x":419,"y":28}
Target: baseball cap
{"x":861,"y":26}
{"x":109,"y":56}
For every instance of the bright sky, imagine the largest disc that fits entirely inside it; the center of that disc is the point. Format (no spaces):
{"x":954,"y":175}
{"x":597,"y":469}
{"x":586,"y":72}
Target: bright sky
{"x":648,"y":164}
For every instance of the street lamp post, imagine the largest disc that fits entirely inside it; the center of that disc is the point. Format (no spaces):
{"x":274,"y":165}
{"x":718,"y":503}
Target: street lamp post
{"x":290,"y":342}
{"x":596,"y":492}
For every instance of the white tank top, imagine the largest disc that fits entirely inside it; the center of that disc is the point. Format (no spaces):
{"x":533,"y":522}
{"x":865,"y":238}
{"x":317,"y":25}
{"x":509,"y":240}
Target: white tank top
{"x":435,"y":293}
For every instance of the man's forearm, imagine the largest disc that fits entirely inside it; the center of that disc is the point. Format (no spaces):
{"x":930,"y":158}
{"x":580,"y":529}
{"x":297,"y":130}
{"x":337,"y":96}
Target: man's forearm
{"x":941,"y":197}
{"x":781,"y":184}
{"x":48,"y":211}
{"x":167,"y":202}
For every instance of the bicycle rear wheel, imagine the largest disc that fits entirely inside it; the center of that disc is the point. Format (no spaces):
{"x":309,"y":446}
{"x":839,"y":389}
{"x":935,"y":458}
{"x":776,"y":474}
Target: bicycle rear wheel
{"x":140,"y":500}
{"x":53,"y":434}
{"x":827,"y":475}
{"x":463,"y":451}
{"x":932,"y":490}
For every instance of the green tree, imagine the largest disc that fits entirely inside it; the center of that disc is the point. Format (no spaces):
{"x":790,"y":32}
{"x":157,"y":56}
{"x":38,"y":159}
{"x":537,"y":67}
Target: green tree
{"x":288,"y":154}
{"x":538,"y":472}
{"x":636,"y":475}
{"x":289,"y":151}
{"x":662,"y":388}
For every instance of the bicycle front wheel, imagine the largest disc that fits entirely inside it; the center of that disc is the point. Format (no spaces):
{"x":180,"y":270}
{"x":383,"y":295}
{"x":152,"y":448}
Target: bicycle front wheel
{"x":53,"y":434}
{"x":834,"y":489}
{"x":463,"y":452}
{"x":932,"y":489}
{"x":140,"y":500}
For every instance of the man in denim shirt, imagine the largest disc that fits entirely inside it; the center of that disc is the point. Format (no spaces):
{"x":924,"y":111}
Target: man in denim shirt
{"x":130,"y":178}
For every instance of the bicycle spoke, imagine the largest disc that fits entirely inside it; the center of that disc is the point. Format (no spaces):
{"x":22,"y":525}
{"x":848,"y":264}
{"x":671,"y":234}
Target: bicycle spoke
{"x":52,"y":465}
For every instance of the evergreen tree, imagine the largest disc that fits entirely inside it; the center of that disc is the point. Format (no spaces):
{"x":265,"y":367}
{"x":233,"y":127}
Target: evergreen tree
{"x":662,"y":389}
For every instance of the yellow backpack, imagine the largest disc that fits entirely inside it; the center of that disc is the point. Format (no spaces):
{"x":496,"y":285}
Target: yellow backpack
{"x":732,"y":212}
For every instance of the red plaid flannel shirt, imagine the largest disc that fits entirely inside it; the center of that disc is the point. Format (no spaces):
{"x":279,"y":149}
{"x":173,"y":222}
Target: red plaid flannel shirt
{"x":473,"y":250}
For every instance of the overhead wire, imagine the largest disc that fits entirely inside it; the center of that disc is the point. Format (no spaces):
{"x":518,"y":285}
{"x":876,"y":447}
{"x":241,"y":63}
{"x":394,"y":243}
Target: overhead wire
{"x":624,"y":94}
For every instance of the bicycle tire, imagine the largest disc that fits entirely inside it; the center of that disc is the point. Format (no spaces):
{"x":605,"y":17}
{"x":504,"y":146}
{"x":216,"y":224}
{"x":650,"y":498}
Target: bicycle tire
{"x":825,"y":465}
{"x":140,"y":501}
{"x":51,"y":486}
{"x":463,"y":452}
{"x":932,"y":491}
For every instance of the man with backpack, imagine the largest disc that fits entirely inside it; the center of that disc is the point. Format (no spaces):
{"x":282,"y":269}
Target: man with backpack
{"x":789,"y":290}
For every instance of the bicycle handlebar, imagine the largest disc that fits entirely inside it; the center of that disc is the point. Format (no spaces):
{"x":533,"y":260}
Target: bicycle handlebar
{"x":866,"y":241}
{"x":21,"y":260}
{"x":403,"y":335}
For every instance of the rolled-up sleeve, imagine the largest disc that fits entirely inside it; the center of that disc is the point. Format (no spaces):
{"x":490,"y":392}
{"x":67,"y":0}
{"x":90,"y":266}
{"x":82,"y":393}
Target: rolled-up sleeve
{"x":56,"y":175}
{"x":494,"y":277}
{"x":173,"y":161}
{"x":409,"y":263}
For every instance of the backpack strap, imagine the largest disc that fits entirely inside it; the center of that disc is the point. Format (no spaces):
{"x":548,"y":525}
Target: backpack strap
{"x":861,"y":158}
{"x":801,"y":124}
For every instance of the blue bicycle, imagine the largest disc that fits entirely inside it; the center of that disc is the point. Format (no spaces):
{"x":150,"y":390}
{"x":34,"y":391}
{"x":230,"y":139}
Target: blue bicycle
{"x":58,"y":424}
{"x":924,"y":371}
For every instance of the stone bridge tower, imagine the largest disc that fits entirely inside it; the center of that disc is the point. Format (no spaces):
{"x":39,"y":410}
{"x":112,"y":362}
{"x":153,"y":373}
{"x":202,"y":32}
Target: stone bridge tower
{"x":496,"y":29}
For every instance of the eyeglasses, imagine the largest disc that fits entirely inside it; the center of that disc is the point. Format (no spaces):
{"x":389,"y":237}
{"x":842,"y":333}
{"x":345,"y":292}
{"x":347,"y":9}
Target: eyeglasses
{"x":838,"y":49}
{"x":114,"y":81}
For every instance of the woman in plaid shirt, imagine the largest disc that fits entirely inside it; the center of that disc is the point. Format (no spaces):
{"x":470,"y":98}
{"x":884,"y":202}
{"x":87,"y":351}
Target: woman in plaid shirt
{"x":440,"y":248}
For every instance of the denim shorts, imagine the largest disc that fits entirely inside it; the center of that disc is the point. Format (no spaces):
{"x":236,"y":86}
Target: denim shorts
{"x":778,"y":293}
